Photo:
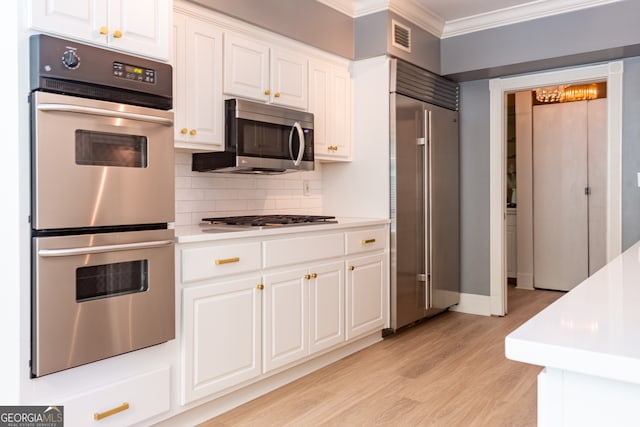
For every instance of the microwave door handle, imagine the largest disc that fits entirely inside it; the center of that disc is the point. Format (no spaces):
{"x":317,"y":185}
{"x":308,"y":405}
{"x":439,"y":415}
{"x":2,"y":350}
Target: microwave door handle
{"x":66,"y":108}
{"x":106,"y":248}
{"x":298,"y":128}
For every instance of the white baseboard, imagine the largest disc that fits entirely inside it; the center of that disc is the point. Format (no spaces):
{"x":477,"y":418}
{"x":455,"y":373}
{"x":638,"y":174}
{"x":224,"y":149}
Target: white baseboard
{"x":473,"y":304}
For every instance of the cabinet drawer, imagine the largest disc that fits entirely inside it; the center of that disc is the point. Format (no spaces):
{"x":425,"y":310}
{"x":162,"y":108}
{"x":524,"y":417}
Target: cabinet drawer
{"x":206,"y":262}
{"x":302,"y":249}
{"x":366,"y":240}
{"x":124,"y":403}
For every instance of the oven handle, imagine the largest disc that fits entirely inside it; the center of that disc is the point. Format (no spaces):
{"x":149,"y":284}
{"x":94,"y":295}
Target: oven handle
{"x":107,"y":113}
{"x":106,"y":248}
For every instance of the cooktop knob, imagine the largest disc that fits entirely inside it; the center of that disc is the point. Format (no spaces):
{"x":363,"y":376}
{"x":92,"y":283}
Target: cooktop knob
{"x":70,"y":59}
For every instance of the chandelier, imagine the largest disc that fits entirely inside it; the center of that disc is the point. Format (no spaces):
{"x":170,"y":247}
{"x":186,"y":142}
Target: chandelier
{"x":564,"y":93}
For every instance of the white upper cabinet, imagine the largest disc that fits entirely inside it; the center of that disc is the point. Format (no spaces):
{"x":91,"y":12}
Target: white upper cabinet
{"x":330,"y":102}
{"x":136,"y":26}
{"x":197,"y":84}
{"x":256,"y":71}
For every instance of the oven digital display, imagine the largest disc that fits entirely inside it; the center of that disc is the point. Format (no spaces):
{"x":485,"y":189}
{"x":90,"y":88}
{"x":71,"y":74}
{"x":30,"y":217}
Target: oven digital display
{"x":133,"y":72}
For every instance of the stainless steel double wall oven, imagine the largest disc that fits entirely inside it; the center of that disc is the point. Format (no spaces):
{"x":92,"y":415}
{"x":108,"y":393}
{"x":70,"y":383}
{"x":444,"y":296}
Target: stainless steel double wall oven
{"x":102,"y":171}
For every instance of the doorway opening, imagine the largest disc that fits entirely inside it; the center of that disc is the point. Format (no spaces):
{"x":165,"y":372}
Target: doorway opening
{"x":556,"y":140}
{"x":499,"y":88}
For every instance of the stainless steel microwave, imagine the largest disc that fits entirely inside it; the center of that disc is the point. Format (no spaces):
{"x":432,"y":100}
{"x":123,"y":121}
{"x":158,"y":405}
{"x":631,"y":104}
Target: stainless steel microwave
{"x":261,"y":138}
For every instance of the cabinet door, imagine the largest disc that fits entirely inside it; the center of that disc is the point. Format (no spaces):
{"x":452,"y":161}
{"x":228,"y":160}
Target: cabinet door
{"x":246,"y":68}
{"x":221,"y":336}
{"x":197,"y":73}
{"x":289,"y":75}
{"x":76,"y":19}
{"x":367,"y":292}
{"x":285,"y":318}
{"x":326,"y":306}
{"x":140,"y":26}
{"x":330,"y":103}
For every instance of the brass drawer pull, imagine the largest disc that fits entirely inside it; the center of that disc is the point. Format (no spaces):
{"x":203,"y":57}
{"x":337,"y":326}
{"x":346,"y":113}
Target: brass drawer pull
{"x":227,"y":260}
{"x":102,"y":415}
{"x":367,"y":241}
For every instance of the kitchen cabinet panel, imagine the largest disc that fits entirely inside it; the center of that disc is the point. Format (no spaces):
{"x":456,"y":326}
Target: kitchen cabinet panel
{"x":221,"y":336}
{"x":286,"y":323}
{"x":296,"y":250}
{"x":366,"y":299}
{"x":330,"y":101}
{"x":127,"y":402}
{"x":326,"y":306}
{"x":137,"y":26}
{"x":256,"y":71}
{"x":197,"y":84}
{"x":204,"y":262}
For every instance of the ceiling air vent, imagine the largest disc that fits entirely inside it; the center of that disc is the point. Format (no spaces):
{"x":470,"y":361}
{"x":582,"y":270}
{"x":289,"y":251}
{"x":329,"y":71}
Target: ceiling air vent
{"x":401,"y":36}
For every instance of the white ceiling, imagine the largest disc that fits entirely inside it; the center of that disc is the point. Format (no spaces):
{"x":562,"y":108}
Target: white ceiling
{"x":446,"y":18}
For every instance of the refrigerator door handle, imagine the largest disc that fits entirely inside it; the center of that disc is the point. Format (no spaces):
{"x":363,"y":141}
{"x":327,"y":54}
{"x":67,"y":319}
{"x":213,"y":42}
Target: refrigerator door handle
{"x":427,"y":210}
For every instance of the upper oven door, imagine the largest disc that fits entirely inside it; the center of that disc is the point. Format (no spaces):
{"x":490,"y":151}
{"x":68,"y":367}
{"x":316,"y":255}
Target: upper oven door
{"x":97,"y":163}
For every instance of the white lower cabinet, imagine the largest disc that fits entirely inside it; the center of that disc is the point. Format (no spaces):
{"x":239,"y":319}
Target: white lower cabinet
{"x":326,"y":306}
{"x":127,"y":402}
{"x":221,"y":336}
{"x":252,"y":307}
{"x":285,"y":318}
{"x":303,"y":312}
{"x":367,"y":291}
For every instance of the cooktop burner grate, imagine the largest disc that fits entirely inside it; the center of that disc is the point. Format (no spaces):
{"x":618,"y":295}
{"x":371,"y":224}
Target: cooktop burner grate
{"x":266,"y":220}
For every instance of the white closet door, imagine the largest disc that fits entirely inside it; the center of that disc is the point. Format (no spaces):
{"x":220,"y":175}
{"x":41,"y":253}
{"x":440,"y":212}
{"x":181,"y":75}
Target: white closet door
{"x":560,"y":240}
{"x":597,"y":153}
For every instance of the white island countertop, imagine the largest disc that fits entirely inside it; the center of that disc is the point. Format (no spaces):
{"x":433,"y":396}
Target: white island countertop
{"x":207,"y":232}
{"x":592,"y":330}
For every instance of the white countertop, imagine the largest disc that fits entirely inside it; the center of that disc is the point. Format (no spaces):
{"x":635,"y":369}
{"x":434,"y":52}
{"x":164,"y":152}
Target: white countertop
{"x":594,"y":329}
{"x":207,"y":232}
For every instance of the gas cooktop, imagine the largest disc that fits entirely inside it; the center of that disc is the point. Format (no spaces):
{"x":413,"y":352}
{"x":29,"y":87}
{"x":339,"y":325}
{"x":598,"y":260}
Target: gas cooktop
{"x":270,"y":220}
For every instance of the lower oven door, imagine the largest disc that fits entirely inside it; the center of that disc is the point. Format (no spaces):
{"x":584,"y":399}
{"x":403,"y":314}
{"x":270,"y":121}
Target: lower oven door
{"x":100,"y":295}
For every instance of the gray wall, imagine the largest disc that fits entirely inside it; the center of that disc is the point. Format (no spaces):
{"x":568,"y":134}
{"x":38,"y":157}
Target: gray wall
{"x":586,"y":36}
{"x":474,"y":187}
{"x":630,"y":152}
{"x":307,"y":21}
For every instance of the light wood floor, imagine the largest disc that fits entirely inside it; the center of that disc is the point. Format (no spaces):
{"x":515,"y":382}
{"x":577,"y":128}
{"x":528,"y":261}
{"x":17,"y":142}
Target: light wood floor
{"x":448,"y":371}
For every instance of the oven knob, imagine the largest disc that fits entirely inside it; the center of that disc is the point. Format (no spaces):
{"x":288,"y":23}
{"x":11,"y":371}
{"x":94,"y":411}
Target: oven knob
{"x":70,"y":59}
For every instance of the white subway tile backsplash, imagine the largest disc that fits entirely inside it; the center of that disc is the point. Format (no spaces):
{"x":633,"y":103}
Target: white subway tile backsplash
{"x":201,"y":195}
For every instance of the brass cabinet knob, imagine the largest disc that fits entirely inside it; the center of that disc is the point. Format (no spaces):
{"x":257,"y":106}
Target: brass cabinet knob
{"x":277,"y":95}
{"x":307,"y":277}
{"x":314,"y":275}
{"x":192,"y":132}
{"x":352,"y":267}
{"x":184,"y":131}
{"x":267,"y":92}
{"x":332,"y":148}
{"x":104,"y":30}
{"x":117,"y":34}
{"x":260,"y":286}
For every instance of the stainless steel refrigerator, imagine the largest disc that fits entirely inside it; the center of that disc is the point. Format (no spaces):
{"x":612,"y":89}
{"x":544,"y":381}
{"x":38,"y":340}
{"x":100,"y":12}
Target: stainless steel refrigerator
{"x":424,"y":155}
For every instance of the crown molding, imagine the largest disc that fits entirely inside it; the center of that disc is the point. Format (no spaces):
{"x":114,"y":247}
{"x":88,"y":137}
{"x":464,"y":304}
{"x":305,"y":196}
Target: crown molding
{"x":426,"y":19}
{"x":512,"y":15}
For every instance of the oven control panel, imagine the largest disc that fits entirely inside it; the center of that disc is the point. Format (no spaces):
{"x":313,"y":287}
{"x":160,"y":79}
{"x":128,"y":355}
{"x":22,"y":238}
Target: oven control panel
{"x":132,"y":72}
